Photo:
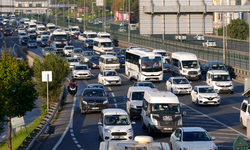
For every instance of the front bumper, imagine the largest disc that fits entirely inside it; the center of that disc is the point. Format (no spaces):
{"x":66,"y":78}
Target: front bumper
{"x":205,"y":101}
{"x":163,"y":129}
{"x":91,"y":108}
{"x":192,"y":77}
{"x":87,"y":76}
{"x":109,"y":136}
{"x":32,"y":45}
{"x":106,"y":82}
{"x":182,"y":91}
{"x":223,"y":89}
{"x":135,"y":111}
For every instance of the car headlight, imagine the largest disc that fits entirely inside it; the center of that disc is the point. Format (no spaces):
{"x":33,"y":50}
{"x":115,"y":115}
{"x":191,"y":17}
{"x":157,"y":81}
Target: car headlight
{"x":184,"y":71}
{"x":187,"y":148}
{"x":154,"y":121}
{"x":105,"y":102}
{"x":214,"y":147}
{"x":217,"y":84}
{"x":133,"y":106}
{"x":218,"y":97}
{"x":200,"y":97}
{"x":180,"y":122}
{"x":231,"y":84}
{"x":130,"y":130}
{"x":84,"y":102}
{"x":107,"y":130}
{"x":199,"y":71}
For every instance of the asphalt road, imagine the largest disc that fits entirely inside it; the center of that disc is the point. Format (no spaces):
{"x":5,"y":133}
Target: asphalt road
{"x":221,"y":121}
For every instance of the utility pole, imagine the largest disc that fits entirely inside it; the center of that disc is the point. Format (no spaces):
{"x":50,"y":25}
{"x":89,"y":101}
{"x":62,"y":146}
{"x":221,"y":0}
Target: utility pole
{"x":129,"y":21}
{"x":84,"y":16}
{"x":68,"y":13}
{"x":56,"y":11}
{"x":93,"y":11}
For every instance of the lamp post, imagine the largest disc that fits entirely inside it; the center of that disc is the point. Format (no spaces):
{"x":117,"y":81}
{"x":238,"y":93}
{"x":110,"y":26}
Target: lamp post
{"x":93,"y":11}
{"x":55,"y":11}
{"x":84,"y":16}
{"x":68,"y":13}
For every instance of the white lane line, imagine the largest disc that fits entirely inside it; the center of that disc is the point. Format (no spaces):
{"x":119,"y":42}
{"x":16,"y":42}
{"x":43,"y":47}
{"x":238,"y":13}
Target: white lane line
{"x":74,"y":138}
{"x":1,"y":36}
{"x":70,"y":125}
{"x":78,"y":145}
{"x":236,"y":108}
{"x":217,"y":121}
{"x":113,"y":94}
{"x":92,"y":75}
{"x":71,"y":130}
{"x":4,"y":136}
{"x":216,"y":133}
{"x":124,"y":76}
{"x":72,"y":134}
{"x":116,"y":105}
{"x":76,"y":142}
{"x":114,"y":100}
{"x":68,"y":79}
{"x":109,"y":88}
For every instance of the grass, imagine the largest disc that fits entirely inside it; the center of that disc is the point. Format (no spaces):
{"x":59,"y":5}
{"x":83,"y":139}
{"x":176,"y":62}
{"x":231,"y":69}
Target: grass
{"x":21,"y":135}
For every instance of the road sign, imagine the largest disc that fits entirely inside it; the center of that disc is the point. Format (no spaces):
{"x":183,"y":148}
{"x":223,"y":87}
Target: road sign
{"x":240,"y":15}
{"x":44,"y":76}
{"x":17,"y":122}
{"x":58,"y":5}
{"x":217,"y":24}
{"x":28,"y":10}
{"x":99,"y":2}
{"x":92,"y":11}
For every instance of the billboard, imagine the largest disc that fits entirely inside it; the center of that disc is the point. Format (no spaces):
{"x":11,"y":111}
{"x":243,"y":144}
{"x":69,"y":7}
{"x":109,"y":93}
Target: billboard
{"x":81,"y":9}
{"x":57,"y":6}
{"x":99,"y":2}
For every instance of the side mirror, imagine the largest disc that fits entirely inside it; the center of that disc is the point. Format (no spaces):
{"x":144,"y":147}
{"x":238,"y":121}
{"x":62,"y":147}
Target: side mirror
{"x":133,"y":123}
{"x":99,"y":123}
{"x":128,"y":99}
{"x":184,"y":113}
{"x":107,"y":95}
{"x":190,"y":82}
{"x":179,"y":68}
{"x":178,"y":139}
{"x":100,"y":74}
{"x":213,"y":138}
{"x":89,"y":68}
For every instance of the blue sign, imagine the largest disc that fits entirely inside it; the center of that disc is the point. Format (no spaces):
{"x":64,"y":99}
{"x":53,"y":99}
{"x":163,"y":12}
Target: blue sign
{"x":28,"y":10}
{"x":58,"y":5}
{"x":240,"y":15}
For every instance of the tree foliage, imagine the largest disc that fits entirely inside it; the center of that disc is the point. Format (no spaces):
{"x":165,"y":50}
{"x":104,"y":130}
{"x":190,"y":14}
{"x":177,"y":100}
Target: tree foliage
{"x":60,"y":70}
{"x":238,"y":29}
{"x":18,"y":93}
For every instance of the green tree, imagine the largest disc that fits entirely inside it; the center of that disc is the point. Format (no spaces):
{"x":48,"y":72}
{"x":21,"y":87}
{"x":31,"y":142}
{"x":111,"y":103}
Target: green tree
{"x":238,"y":29}
{"x":18,"y":93}
{"x":60,"y":70}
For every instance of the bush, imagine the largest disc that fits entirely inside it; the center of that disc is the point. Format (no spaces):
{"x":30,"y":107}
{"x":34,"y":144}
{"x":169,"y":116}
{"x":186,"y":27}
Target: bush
{"x":238,"y":29}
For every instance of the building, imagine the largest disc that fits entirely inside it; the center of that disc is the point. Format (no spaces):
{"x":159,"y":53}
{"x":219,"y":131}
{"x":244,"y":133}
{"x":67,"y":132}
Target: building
{"x":7,"y":6}
{"x":31,"y":6}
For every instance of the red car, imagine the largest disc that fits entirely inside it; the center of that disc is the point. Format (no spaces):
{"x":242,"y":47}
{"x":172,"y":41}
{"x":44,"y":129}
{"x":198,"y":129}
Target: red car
{"x":76,"y":35}
{"x":8,"y":31}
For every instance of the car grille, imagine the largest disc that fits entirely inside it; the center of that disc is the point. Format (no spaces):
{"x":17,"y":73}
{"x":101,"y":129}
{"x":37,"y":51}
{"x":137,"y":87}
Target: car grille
{"x":95,"y":103}
{"x":60,"y":45}
{"x":192,"y":72}
{"x":183,"y":88}
{"x":138,"y":106}
{"x":82,"y":74}
{"x":224,"y":85}
{"x":114,"y":81}
{"x":210,"y":98}
{"x":167,"y":123}
{"x":118,"y":133}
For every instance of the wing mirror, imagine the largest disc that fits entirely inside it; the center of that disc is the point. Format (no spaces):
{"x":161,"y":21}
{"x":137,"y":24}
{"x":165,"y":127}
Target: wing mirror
{"x":184,"y":113}
{"x":133,"y":123}
{"x":213,"y":138}
{"x":128,"y":99}
{"x":89,"y":68}
{"x":99,"y":123}
{"x":178,"y":139}
{"x":190,"y":82}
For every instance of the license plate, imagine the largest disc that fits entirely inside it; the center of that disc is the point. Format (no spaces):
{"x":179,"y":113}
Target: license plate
{"x":167,"y":129}
{"x":95,"y":107}
{"x":113,"y":82}
{"x":82,"y":76}
{"x":210,"y":102}
{"x":193,"y":76}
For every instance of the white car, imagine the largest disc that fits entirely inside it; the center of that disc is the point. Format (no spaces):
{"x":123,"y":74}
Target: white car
{"x":32,"y":43}
{"x":32,"y":34}
{"x":209,"y":43}
{"x":121,"y":29}
{"x":67,"y":50}
{"x":244,"y":113}
{"x":178,"y":85}
{"x":38,"y":39}
{"x":22,"y":34}
{"x":114,"y":124}
{"x":80,"y":37}
{"x":21,"y":30}
{"x":199,"y":37}
{"x":81,"y":72}
{"x":191,"y":138}
{"x":111,"y":53}
{"x":205,"y":95}
{"x":109,"y":77}
{"x":72,"y":62}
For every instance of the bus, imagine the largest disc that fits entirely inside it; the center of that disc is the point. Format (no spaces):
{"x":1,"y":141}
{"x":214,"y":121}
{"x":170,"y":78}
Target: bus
{"x":143,"y":66}
{"x":59,"y":39}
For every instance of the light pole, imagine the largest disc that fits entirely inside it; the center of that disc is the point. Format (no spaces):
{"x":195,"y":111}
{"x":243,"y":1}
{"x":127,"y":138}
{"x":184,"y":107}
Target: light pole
{"x":93,"y":11}
{"x":123,"y":14}
{"x":55,"y":11}
{"x":84,"y":16}
{"x":68,"y":14}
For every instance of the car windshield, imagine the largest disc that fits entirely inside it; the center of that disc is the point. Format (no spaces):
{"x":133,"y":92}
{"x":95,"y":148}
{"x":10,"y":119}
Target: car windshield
{"x":95,"y":86}
{"x":121,"y":58}
{"x":165,"y":108}
{"x":33,"y":31}
{"x":196,"y":136}
{"x":151,"y":64}
{"x":211,"y":41}
{"x":41,"y":29}
{"x":52,"y":27}
{"x":21,"y":28}
{"x":88,"y":54}
{"x":77,"y":51}
{"x":95,"y":58}
{"x":66,"y":29}
{"x":91,"y":35}
{"x":74,"y":29}
{"x":8,"y":30}
{"x":151,"y":85}
{"x":110,"y":73}
{"x":94,"y":93}
{"x":180,"y":81}
{"x":72,"y":60}
{"x":206,"y":90}
{"x":105,"y":36}
{"x":60,"y":37}
{"x":69,"y":47}
{"x":200,"y":35}
{"x":81,"y":68}
{"x":112,"y":61}
{"x":45,"y":33}
{"x":32,"y":26}
{"x":220,"y":77}
{"x":48,"y":49}
{"x":44,"y":39}
{"x":116,"y":120}
{"x":89,"y":40}
{"x":218,"y":67}
{"x":137,"y":95}
{"x":163,"y":53}
{"x":190,"y":64}
{"x":106,"y":44}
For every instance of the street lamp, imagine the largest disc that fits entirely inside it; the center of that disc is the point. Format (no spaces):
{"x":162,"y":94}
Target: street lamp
{"x":92,"y":11}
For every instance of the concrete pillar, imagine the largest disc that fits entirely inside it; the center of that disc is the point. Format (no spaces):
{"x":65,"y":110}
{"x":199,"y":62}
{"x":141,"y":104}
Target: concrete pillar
{"x":248,"y":127}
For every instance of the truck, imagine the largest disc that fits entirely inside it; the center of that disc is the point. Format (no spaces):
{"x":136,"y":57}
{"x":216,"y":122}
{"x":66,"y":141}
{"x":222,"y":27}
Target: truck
{"x":59,"y":39}
{"x":73,"y":30}
{"x":132,"y":27}
{"x":51,"y":27}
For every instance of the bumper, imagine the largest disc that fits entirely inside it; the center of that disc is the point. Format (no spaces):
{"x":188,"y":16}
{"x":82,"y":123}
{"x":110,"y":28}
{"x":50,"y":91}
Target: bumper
{"x":91,"y":108}
{"x":224,"y":90}
{"x":192,"y":77}
{"x":32,"y":45}
{"x":185,"y":91}
{"x":83,"y":76}
{"x":109,"y":137}
{"x":112,"y":82}
{"x":208,"y":102}
{"x":135,"y":111}
{"x":163,"y":129}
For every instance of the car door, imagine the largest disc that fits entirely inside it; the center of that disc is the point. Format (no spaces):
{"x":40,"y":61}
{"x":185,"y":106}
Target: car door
{"x":169,"y":84}
{"x":195,"y":94}
{"x":208,"y":78}
{"x":100,"y":127}
{"x":243,"y":115}
{"x":174,"y":139}
{"x":144,"y":112}
{"x":129,"y":98}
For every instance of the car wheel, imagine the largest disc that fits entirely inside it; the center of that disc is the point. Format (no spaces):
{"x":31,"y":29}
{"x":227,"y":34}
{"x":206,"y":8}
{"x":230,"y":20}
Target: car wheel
{"x":171,"y":90}
{"x":82,"y":111}
{"x":99,"y":136}
{"x":241,"y":124}
{"x":197,"y":102}
{"x":170,"y":146}
{"x":143,"y":125}
{"x":138,"y":80}
{"x":232,"y":92}
{"x":150,"y":132}
{"x":129,"y":77}
{"x":130,"y":114}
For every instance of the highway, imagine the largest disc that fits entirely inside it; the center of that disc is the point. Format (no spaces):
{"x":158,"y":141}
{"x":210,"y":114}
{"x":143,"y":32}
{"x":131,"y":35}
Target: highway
{"x":221,"y":121}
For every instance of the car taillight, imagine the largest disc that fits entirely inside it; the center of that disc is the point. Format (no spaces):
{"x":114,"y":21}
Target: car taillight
{"x":207,"y":43}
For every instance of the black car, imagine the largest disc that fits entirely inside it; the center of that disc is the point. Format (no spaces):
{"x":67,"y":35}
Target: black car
{"x":94,"y":62}
{"x":24,"y":40}
{"x":217,"y":65}
{"x":8,"y":31}
{"x":122,"y":52}
{"x":88,"y":43}
{"x":121,"y":61}
{"x":44,"y":42}
{"x":93,"y":99}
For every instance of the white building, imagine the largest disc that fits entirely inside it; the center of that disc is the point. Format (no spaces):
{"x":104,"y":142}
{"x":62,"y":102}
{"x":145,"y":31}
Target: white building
{"x":7,"y":3}
{"x":31,"y":6}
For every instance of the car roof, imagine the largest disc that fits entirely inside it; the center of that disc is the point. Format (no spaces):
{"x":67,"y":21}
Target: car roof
{"x":139,"y":88}
{"x":218,"y":71}
{"x":202,"y":86}
{"x":95,"y":56}
{"x":215,"y":62}
{"x":93,"y":89}
{"x":87,"y":52}
{"x":81,"y":65}
{"x":114,"y":111}
{"x":159,"y":50}
{"x":109,"y":70}
{"x":95,"y":84}
{"x":160,"y":97}
{"x":192,"y":129}
{"x":108,"y":56}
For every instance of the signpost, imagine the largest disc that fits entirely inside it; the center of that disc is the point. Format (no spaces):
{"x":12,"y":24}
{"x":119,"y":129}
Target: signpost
{"x":17,"y":122}
{"x":99,"y":3}
{"x":47,"y":77}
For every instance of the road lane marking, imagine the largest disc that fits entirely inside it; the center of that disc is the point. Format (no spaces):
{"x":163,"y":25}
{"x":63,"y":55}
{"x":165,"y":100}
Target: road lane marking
{"x":116,"y":105}
{"x":72,"y":134}
{"x":74,"y":138}
{"x":109,"y":88}
{"x":70,"y":125}
{"x":78,"y":145}
{"x":1,"y":36}
{"x":76,"y":142}
{"x":113,"y":94}
{"x":71,"y":130}
{"x":236,"y":108}
{"x":4,"y":136}
{"x":114,"y":100}
{"x":216,"y":121}
{"x":124,"y":76}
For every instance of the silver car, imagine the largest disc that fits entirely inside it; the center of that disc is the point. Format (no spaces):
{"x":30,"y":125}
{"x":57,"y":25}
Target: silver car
{"x":77,"y":52}
{"x":48,"y":50}
{"x":86,"y":56}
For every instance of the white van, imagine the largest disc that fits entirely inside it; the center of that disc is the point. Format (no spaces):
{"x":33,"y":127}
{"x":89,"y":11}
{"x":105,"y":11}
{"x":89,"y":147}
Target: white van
{"x":109,"y":62}
{"x":132,"y":27}
{"x":161,"y":112}
{"x":103,"y":34}
{"x":73,"y":30}
{"x":134,"y":100}
{"x":89,"y":35}
{"x":33,"y":20}
{"x":51,"y":27}
{"x":40,"y":29}
{"x":220,"y":80}
{"x":102,"y":45}
{"x":31,"y":26}
{"x":185,"y":64}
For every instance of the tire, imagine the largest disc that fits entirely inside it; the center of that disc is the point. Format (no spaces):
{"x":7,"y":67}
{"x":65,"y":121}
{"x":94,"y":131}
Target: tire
{"x":143,"y":125}
{"x":150,"y":132}
{"x":82,"y":111}
{"x":130,"y":115}
{"x":138,"y":80}
{"x":99,"y":136}
{"x":241,"y":124}
{"x":171,"y":90}
{"x":232,"y":92}
{"x":197,"y":103}
{"x":129,"y":77}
